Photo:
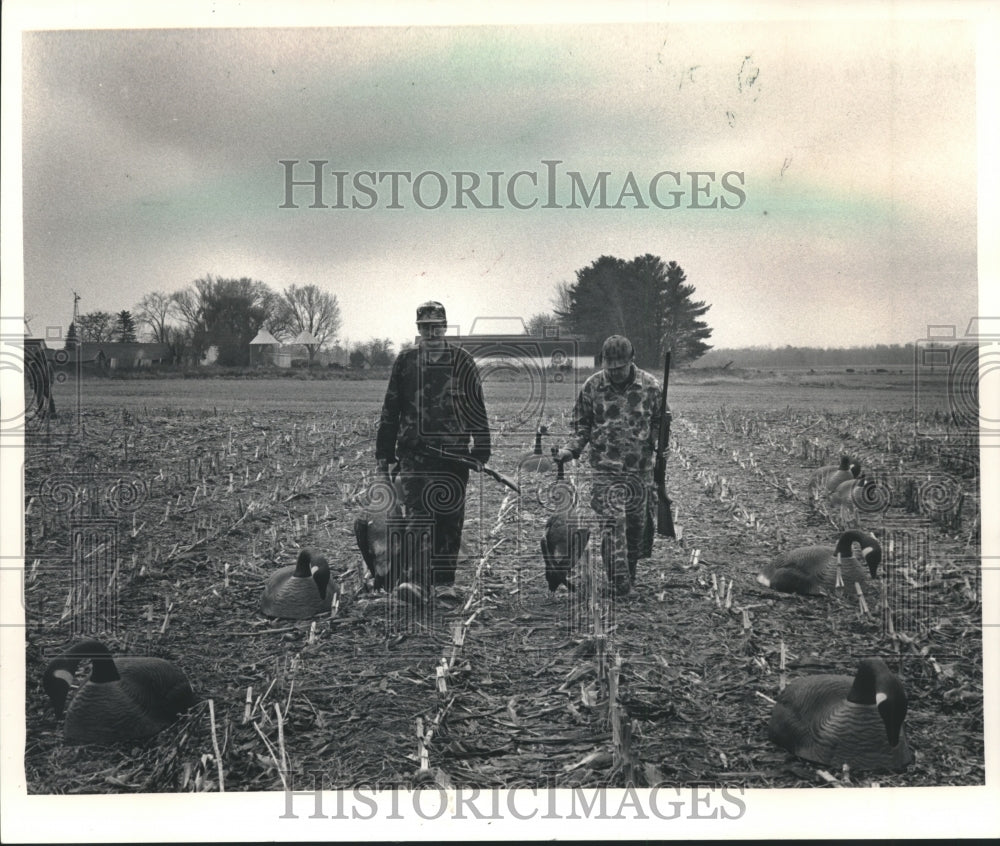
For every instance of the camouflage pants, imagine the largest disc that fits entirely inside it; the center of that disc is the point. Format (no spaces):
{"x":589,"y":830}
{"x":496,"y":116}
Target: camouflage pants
{"x":434,"y":501}
{"x":624,"y":503}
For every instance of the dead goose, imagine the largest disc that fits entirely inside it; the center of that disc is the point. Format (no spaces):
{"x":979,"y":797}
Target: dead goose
{"x":836,"y":720}
{"x":128,"y":698}
{"x":565,"y":539}
{"x":812,"y":570}
{"x":299,"y":591}
{"x":371,"y":530}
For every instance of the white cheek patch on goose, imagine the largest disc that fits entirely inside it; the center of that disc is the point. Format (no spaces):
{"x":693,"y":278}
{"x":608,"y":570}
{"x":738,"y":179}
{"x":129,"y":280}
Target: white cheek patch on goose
{"x":65,"y":675}
{"x":314,"y":569}
{"x":867,"y":550}
{"x":880,"y":698}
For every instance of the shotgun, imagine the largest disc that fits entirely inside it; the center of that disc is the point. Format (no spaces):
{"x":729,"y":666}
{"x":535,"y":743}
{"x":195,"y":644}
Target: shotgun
{"x":469,"y":462}
{"x":664,"y":515}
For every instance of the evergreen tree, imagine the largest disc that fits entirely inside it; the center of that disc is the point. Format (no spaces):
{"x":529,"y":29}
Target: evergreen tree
{"x":125,"y":327}
{"x":644,"y":299}
{"x":71,"y":337}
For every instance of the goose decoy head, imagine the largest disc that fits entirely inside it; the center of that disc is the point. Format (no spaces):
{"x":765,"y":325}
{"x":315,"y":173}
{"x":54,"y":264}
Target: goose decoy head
{"x":303,"y":564}
{"x":855,"y":468}
{"x":321,"y":574}
{"x":59,"y":674}
{"x":875,"y":684}
{"x":871,"y":549}
{"x":872,"y":553}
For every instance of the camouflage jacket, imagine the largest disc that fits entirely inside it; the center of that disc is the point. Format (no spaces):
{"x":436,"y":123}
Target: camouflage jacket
{"x":621,"y":424}
{"x":437,"y":403}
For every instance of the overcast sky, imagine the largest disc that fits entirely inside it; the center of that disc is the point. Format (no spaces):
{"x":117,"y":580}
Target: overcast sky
{"x":152,"y":158}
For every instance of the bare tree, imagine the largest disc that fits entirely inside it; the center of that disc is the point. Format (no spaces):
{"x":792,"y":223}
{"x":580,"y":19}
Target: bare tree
{"x":153,"y":311}
{"x":96,"y":326}
{"x":307,"y":309}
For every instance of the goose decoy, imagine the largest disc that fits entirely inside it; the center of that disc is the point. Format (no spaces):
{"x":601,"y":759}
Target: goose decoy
{"x":836,"y":720}
{"x":371,"y":530}
{"x":812,"y":570}
{"x":565,"y":539}
{"x":125,"y":698}
{"x":536,"y":461}
{"x":849,"y":493}
{"x":826,"y":479}
{"x":299,"y":591}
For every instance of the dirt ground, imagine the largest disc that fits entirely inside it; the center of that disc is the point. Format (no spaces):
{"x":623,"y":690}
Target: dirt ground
{"x":196,"y":490}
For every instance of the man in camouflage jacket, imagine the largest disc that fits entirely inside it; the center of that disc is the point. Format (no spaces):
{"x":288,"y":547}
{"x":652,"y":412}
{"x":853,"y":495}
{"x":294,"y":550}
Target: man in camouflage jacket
{"x":434,"y":400}
{"x":618,"y":413}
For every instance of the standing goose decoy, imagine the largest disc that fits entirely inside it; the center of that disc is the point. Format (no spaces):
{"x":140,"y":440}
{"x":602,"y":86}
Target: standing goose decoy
{"x":565,"y":540}
{"x":849,"y":493}
{"x":299,"y":591}
{"x":128,"y":698}
{"x":812,"y":570}
{"x":536,"y":461}
{"x":836,"y":720}
{"x":371,"y":530}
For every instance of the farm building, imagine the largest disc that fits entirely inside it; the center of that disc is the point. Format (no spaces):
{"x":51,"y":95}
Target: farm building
{"x":100,"y":357}
{"x":528,"y":351}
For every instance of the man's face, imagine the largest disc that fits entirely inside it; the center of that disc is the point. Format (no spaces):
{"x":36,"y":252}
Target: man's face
{"x":432,"y":334}
{"x":619,"y":372}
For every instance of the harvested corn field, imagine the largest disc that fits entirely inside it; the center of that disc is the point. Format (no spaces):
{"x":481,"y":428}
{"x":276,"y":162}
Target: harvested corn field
{"x":178,"y":511}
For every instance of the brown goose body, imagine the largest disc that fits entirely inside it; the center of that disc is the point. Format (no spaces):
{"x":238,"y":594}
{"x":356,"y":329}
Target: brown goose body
{"x":836,"y":720}
{"x":564,"y":541}
{"x":812,"y":570}
{"x":125,"y":698}
{"x":563,"y":545}
{"x":371,"y":531}
{"x":299,"y":591}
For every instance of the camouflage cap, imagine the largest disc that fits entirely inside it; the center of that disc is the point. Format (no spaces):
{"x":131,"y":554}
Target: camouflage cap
{"x":617,"y":350}
{"x":431,"y":312}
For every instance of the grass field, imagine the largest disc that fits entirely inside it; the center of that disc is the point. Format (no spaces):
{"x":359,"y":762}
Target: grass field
{"x":201,"y":487}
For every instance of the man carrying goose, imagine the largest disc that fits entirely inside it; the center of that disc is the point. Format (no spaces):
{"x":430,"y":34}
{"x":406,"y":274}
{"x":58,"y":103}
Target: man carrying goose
{"x":434,"y":423}
{"x":617,"y":413}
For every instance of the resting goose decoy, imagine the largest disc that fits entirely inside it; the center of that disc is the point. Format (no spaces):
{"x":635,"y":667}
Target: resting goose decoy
{"x":299,"y":591}
{"x":564,"y":541}
{"x":536,"y":461}
{"x":836,"y":720}
{"x":125,"y":698}
{"x":812,"y":570}
{"x":371,"y":530}
{"x":826,"y":479}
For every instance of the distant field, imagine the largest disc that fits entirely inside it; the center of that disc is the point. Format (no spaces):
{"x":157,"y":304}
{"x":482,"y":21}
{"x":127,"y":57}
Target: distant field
{"x":688,"y":389}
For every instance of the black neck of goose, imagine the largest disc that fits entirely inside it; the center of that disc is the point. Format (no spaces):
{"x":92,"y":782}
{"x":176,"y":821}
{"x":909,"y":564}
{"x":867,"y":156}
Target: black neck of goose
{"x":302,"y":567}
{"x":322,"y":577}
{"x":847,"y":540}
{"x":538,"y":443}
{"x":103,"y":667}
{"x":892,"y":709}
{"x":863,"y":690}
{"x":845,"y":463}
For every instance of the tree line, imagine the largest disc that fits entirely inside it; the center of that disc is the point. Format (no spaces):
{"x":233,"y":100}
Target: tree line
{"x":789,"y":356}
{"x":645,"y":298}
